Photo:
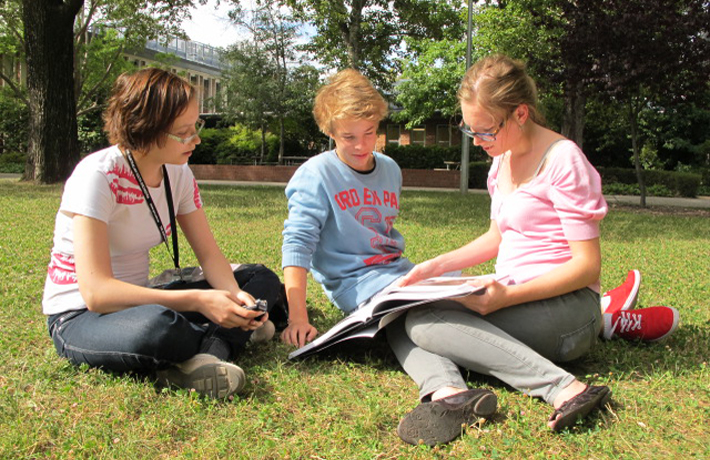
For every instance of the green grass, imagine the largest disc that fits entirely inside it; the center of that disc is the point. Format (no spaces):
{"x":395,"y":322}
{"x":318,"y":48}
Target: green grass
{"x":346,"y":405}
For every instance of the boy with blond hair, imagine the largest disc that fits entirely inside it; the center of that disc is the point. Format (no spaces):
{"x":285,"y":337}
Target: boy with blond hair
{"x":342,"y":207}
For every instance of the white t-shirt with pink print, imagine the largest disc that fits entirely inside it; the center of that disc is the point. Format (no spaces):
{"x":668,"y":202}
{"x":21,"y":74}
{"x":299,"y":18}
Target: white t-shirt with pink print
{"x":103,"y":187}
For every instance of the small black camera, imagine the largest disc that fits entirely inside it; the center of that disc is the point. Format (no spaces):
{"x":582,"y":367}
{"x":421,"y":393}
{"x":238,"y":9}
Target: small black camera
{"x":259,"y":305}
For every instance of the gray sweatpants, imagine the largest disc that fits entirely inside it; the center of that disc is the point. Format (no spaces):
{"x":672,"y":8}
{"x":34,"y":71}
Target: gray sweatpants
{"x":517,"y":344}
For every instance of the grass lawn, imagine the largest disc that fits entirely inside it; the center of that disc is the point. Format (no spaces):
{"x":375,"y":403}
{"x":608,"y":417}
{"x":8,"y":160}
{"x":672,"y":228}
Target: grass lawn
{"x":346,"y":404}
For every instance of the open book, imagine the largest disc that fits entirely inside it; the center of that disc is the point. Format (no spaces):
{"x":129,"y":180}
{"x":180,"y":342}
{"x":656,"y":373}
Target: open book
{"x":387,"y":305}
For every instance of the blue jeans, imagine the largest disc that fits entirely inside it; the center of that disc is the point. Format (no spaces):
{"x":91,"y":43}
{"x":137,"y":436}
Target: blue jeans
{"x":150,"y":337}
{"x":517,"y":345}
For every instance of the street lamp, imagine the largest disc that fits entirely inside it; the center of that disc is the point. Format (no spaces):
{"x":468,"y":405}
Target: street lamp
{"x":465,"y":143}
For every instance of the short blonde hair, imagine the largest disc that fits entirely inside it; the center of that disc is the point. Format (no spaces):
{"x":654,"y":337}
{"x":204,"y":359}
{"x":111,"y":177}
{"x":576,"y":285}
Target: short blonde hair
{"x":499,"y":84}
{"x":348,"y":94}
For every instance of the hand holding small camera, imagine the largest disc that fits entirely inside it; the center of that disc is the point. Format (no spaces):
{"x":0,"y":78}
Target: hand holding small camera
{"x":259,"y":305}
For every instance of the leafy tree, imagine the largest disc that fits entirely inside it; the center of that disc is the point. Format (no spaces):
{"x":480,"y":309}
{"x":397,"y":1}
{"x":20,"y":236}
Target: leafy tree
{"x":431,"y":76}
{"x":429,"y":83}
{"x":250,"y":87}
{"x":72,"y":59}
{"x":11,"y":44}
{"x":300,"y":126}
{"x":265,"y":79}
{"x":645,"y":54}
{"x":13,"y":124}
{"x":367,"y":34}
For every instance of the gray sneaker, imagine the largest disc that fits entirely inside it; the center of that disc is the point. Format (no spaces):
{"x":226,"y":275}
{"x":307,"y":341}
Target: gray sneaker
{"x":206,"y":374}
{"x":264,"y":333}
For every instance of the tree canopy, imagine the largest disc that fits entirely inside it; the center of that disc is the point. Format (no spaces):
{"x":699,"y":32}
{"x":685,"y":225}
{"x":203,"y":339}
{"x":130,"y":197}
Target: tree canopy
{"x":72,"y":59}
{"x":369,"y":35}
{"x":652,"y":53}
{"x":266,"y":79}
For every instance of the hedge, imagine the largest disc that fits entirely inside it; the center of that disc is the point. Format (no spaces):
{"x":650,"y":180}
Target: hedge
{"x":422,"y":157}
{"x":677,"y":183}
{"x":12,"y":162}
{"x":615,"y":180}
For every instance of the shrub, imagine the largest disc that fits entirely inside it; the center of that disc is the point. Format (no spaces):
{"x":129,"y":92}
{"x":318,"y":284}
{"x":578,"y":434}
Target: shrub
{"x":90,"y":133}
{"x":14,"y":122}
{"x":234,"y":145}
{"x":673,"y":183}
{"x":421,"y":156}
{"x":618,"y":188}
{"x":12,"y":162}
{"x":210,"y":139}
{"x":478,"y":174}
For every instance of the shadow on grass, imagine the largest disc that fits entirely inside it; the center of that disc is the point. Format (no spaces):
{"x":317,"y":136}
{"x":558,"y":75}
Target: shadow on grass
{"x":684,"y":351}
{"x":626,"y":360}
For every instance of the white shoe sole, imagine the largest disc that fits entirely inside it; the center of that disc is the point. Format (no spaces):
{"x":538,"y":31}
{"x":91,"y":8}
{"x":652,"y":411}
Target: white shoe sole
{"x":217,"y":380}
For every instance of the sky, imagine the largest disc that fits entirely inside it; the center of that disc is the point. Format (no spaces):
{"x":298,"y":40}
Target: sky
{"x":211,"y":26}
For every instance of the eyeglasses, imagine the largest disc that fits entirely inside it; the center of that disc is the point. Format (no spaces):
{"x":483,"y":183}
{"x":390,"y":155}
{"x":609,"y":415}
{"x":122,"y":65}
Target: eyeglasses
{"x":485,"y":137}
{"x":186,"y":140}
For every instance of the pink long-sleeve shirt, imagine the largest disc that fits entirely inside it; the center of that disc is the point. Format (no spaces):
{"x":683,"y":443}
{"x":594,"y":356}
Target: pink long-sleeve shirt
{"x":563,"y":203}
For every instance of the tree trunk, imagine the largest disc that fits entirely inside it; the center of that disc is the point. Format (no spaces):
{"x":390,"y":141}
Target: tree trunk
{"x":282,"y":135}
{"x":573,"y":122}
{"x":53,"y":146}
{"x":633,"y":123}
{"x":263,"y":142}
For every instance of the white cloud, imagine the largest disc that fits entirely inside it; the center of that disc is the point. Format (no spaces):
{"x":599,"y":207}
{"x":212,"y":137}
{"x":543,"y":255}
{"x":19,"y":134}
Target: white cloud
{"x":211,"y":25}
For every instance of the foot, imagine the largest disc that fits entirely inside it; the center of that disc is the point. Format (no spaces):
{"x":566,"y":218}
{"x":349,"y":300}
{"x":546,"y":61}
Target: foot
{"x":593,"y":397}
{"x":264,"y":333}
{"x":623,"y":297}
{"x":446,"y":392}
{"x":206,"y":374}
{"x":649,"y":324}
{"x":570,"y":391}
{"x":443,"y":420}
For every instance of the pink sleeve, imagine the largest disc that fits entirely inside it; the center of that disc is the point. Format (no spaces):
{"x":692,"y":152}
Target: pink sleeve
{"x":492,"y":184}
{"x":576,"y":192}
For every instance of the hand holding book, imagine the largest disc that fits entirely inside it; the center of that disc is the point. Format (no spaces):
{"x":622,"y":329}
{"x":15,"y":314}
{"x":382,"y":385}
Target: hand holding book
{"x":384,"y":307}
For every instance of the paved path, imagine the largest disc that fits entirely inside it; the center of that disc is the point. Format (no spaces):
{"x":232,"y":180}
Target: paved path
{"x":702,"y":202}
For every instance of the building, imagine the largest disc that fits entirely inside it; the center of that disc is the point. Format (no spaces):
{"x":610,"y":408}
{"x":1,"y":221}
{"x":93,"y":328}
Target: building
{"x":200,"y":64}
{"x":436,"y":131}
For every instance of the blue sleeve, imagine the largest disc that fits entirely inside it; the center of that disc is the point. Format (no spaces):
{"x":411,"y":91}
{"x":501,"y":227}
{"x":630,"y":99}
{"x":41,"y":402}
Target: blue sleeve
{"x":308,"y":209}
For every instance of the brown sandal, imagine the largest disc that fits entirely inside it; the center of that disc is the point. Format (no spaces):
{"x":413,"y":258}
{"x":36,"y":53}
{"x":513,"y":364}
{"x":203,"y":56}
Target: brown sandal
{"x":591,"y":398}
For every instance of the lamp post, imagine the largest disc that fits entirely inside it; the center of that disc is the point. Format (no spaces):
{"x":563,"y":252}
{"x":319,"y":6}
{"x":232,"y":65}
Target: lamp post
{"x":465,"y":144}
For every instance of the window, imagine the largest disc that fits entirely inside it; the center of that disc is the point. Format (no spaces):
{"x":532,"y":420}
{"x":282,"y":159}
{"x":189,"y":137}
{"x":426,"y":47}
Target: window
{"x":419,"y":135}
{"x":393,"y":134}
{"x":443,"y":135}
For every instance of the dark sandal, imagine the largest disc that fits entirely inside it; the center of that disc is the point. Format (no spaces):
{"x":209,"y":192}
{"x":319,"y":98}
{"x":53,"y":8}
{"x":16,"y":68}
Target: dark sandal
{"x":591,"y":398}
{"x":441,"y":421}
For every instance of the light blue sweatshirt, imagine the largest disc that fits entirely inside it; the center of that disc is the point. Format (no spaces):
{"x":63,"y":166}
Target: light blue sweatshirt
{"x":341,"y":227}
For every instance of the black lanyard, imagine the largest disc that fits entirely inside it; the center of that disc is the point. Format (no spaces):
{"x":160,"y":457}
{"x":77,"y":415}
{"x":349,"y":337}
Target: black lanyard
{"x":175,"y":255}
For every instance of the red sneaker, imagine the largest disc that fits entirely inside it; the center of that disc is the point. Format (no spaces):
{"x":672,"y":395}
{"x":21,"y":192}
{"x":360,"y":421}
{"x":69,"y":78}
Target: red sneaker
{"x":648,"y":324}
{"x":623,"y":297}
